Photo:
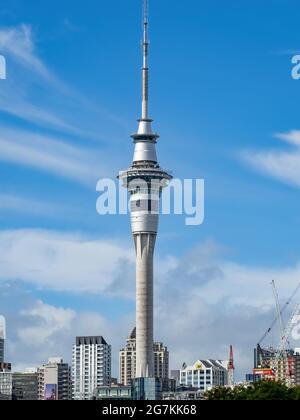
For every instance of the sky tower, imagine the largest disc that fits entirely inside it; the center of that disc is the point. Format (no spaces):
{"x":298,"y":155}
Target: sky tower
{"x":144,"y":181}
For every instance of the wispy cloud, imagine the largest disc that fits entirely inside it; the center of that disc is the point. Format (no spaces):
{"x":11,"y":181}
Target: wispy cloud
{"x":34,"y":93}
{"x":14,"y":103}
{"x":71,"y":26}
{"x":15,"y":203}
{"x":18,"y":42}
{"x":51,"y":155}
{"x":283,"y":165}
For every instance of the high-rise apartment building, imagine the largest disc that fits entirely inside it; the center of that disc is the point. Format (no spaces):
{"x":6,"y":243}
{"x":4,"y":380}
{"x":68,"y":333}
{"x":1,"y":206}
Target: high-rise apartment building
{"x":54,"y":380}
{"x":127,"y":359}
{"x":91,"y":366}
{"x":161,"y":361}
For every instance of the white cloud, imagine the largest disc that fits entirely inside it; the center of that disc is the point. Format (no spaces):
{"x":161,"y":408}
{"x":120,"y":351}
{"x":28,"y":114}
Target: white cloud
{"x":50,"y":154}
{"x":45,"y":321}
{"x":18,"y":42}
{"x":12,"y":101}
{"x":42,"y":331}
{"x":34,"y":93}
{"x":65,"y":262}
{"x":292,"y":137}
{"x":283,"y":165}
{"x":19,"y":204}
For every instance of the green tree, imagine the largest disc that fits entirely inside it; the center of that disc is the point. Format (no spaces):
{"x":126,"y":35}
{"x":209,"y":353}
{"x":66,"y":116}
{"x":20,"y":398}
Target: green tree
{"x":264,"y":390}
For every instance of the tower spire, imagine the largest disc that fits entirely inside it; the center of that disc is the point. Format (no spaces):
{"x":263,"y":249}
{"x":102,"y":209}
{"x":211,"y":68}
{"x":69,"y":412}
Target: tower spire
{"x":145,"y":70}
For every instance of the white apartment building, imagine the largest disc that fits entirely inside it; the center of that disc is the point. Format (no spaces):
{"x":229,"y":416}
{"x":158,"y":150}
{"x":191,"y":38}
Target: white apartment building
{"x":205,"y":375}
{"x":91,"y":366}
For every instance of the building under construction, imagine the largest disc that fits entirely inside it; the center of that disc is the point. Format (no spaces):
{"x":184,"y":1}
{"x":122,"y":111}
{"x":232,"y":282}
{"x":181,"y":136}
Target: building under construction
{"x":279,"y":364}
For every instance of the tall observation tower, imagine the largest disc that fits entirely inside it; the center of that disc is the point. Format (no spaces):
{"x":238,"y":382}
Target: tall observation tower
{"x":144,"y":181}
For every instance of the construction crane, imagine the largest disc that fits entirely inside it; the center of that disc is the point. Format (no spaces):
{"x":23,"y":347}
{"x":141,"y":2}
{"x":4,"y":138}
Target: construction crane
{"x":285,"y":306}
{"x":282,"y":353}
{"x":231,"y":368}
{"x":278,"y":310}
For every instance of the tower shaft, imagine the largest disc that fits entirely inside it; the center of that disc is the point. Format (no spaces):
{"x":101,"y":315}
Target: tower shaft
{"x":144,"y":244}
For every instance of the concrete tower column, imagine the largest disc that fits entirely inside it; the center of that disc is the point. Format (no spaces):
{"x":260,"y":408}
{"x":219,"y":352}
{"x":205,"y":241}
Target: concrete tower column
{"x":144,"y":244}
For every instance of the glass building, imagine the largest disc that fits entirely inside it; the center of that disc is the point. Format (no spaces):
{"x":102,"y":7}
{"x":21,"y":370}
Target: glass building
{"x":146,"y":389}
{"x":151,"y":389}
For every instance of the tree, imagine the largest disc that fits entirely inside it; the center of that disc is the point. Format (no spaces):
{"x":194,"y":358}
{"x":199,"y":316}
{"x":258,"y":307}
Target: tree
{"x":264,"y":390}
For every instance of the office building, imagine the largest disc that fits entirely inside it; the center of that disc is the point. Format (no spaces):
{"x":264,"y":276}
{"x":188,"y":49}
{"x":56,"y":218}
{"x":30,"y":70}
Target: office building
{"x":115,"y":392}
{"x":151,"y":388}
{"x":54,"y":380}
{"x":25,"y":386}
{"x":205,"y":375}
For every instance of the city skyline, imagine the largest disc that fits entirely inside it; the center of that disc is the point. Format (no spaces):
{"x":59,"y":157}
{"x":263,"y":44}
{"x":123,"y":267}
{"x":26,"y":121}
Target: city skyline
{"x":225,"y":104}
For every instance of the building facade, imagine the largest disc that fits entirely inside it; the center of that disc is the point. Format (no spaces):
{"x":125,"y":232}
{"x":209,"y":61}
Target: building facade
{"x":2,"y":338}
{"x":54,"y":380}
{"x":183,"y":395}
{"x":288,"y":372}
{"x":118,"y":393}
{"x":1,"y":350}
{"x":175,"y":375}
{"x":205,"y":375}
{"x":151,"y":389}
{"x":127,"y":360}
{"x":91,"y":366}
{"x":25,"y":386}
{"x":161,"y":361}
{"x":5,"y":381}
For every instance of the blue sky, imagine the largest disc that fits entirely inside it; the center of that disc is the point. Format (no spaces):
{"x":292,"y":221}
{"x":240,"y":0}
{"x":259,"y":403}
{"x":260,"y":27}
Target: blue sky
{"x":226,"y":107}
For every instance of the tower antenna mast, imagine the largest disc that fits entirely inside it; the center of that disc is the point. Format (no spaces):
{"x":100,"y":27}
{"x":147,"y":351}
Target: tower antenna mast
{"x":145,"y":100}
